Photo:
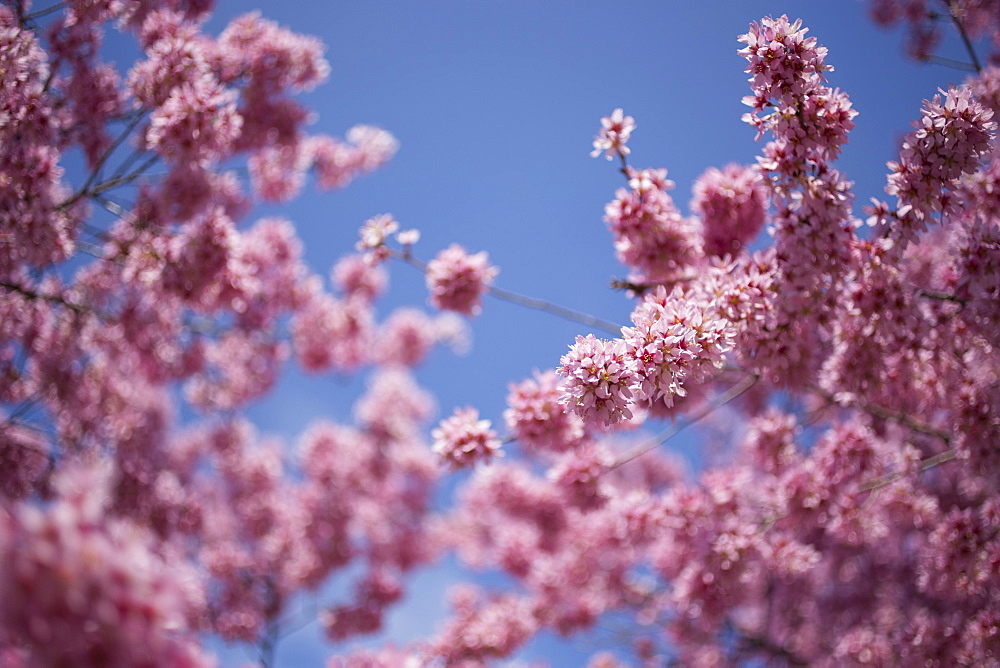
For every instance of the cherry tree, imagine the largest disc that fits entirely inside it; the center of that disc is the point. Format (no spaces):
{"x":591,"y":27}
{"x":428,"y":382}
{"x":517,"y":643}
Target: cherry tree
{"x":134,"y":287}
{"x":854,"y":519}
{"x":851,"y":515}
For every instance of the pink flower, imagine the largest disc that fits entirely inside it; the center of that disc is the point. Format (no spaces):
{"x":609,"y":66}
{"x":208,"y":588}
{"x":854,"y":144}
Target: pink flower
{"x":578,"y":474}
{"x":277,"y":173}
{"x":405,"y":337}
{"x":615,"y":131}
{"x":332,"y":334}
{"x":948,"y":142}
{"x":650,"y":234}
{"x":599,"y":380}
{"x":373,"y":234}
{"x":198,"y":121}
{"x":732,"y":203}
{"x":676,"y":340}
{"x":463,"y":439}
{"x":457,"y":280}
{"x":782,"y":59}
{"x":537,"y":419}
{"x":337,"y":163}
{"x":356,"y":277}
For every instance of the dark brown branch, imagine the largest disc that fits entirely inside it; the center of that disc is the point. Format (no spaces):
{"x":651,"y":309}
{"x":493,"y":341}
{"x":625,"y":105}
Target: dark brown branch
{"x":641,"y":288}
{"x":944,"y":296}
{"x":953,"y":11}
{"x":30,"y":294}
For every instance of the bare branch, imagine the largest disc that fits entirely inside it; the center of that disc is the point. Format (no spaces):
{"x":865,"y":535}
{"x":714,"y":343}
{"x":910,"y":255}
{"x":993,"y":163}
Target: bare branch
{"x":887,"y":414}
{"x":30,"y":294}
{"x":732,"y":393}
{"x":531,"y":302}
{"x":95,"y":172}
{"x":953,"y":10}
{"x":925,"y":464}
{"x":45,"y":12}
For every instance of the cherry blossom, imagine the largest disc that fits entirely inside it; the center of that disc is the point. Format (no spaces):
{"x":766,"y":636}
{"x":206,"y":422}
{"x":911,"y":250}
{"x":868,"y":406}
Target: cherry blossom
{"x":845,"y":379}
{"x":463,"y":439}
{"x":615,"y":132}
{"x":457,"y":280}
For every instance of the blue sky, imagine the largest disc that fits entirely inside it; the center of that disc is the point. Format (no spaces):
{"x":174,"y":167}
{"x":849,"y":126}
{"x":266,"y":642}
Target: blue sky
{"x":495,"y":105}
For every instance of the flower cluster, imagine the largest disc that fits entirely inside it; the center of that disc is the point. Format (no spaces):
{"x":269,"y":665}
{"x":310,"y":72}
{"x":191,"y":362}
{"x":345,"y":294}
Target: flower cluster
{"x":674,"y":342}
{"x":732,"y":203}
{"x":198,"y":121}
{"x":338,"y":163}
{"x":598,"y":380}
{"x":129,"y":539}
{"x":457,"y":280}
{"x":782,"y":60}
{"x":615,"y":132}
{"x":948,"y":142}
{"x":678,"y":338}
{"x":463,"y":439}
{"x":536,"y":417}
{"x":82,"y":588}
{"x":650,"y":234}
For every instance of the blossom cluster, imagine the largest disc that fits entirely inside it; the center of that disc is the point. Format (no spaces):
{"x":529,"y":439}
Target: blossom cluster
{"x":650,"y":234}
{"x":949,"y":140}
{"x":615,"y":132}
{"x":732,"y":203}
{"x":675,"y":340}
{"x":457,"y":280}
{"x":463,"y":439}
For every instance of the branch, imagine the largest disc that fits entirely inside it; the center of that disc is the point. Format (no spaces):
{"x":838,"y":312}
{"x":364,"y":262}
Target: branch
{"x":124,"y":179}
{"x":898,"y":417}
{"x":85,"y":188}
{"x":753,"y":644}
{"x":925,"y":464}
{"x":25,"y":292}
{"x":640,"y":288}
{"x":45,"y":12}
{"x":732,"y":393}
{"x":949,"y":62}
{"x":531,"y":302}
{"x":556,"y":310}
{"x":944,"y":296}
{"x":953,"y":11}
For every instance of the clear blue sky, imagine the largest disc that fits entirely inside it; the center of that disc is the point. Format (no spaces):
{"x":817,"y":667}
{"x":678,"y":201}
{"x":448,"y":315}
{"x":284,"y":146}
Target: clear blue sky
{"x":495,"y":105}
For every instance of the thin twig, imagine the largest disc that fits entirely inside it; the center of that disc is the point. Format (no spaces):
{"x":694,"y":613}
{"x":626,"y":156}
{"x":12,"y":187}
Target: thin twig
{"x":640,"y":288}
{"x":25,"y":292}
{"x":944,"y":296}
{"x":899,"y":417}
{"x":556,"y":310}
{"x":125,"y":179}
{"x":953,"y":10}
{"x":532,"y":302}
{"x":94,"y":173}
{"x":948,"y":62}
{"x":45,"y":12}
{"x":925,"y":464}
{"x":732,"y":393}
